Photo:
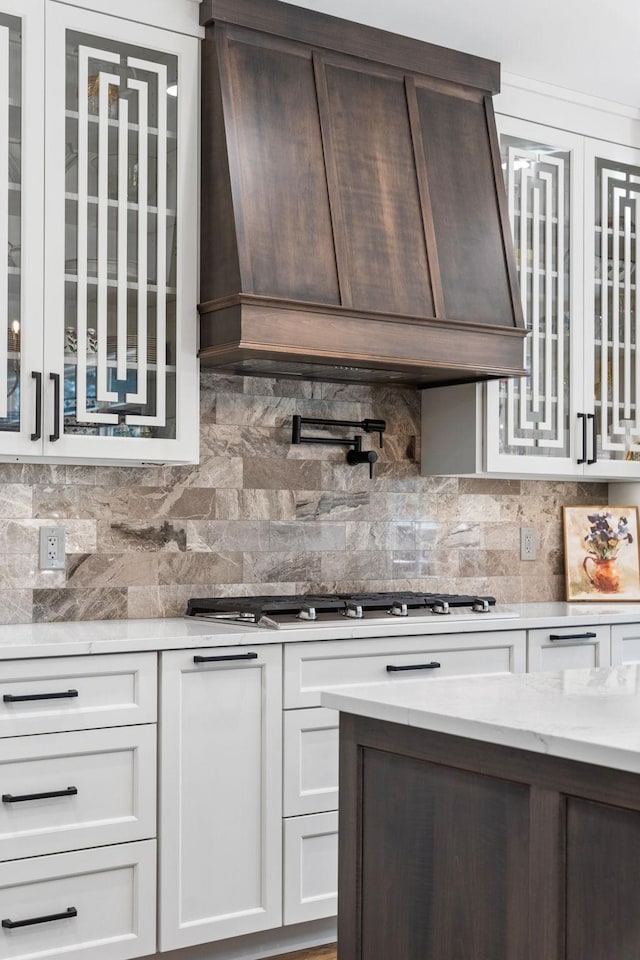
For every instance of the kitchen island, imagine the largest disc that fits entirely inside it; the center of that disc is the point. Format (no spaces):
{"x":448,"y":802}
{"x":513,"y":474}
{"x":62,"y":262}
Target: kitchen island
{"x":491,"y":817}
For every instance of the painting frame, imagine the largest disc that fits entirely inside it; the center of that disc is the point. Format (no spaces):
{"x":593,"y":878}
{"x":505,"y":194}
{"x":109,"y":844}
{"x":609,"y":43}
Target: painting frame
{"x":601,"y":553}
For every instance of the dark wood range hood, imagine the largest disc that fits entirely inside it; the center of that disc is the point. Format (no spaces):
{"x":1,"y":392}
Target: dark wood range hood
{"x":354,"y":217}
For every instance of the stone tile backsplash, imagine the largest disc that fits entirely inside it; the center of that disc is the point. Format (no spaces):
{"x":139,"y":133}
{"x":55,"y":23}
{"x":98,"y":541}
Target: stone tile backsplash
{"x":258,"y":515}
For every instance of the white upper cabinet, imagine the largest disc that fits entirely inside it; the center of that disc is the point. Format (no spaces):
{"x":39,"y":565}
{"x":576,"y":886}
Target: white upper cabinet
{"x":572,"y":208}
{"x":101,"y":357}
{"x":612,"y":350}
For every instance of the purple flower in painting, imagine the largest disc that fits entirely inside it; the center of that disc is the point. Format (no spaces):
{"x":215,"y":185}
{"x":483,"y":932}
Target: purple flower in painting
{"x":606,"y":536}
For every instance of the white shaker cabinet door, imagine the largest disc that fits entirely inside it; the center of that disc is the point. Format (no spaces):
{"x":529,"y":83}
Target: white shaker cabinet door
{"x":220,"y":794}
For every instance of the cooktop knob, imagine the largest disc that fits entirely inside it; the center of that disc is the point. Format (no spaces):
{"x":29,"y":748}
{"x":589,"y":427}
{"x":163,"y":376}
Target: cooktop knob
{"x":441,"y":607}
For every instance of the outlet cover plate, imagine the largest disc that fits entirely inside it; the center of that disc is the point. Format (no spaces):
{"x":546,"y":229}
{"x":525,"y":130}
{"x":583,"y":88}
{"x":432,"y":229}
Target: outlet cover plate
{"x":528,"y":543}
{"x":52,"y":548}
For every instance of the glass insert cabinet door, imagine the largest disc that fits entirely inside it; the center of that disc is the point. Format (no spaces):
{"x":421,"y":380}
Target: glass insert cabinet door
{"x":21,"y":117}
{"x":531,"y":420}
{"x":120,"y":311}
{"x":612,"y":207}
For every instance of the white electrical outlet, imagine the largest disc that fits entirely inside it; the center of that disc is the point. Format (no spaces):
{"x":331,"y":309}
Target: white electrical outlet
{"x":52,"y":548}
{"x":528,"y":543}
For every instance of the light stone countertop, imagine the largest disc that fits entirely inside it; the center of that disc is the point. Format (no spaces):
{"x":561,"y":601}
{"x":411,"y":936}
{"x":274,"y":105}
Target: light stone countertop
{"x":588,"y":715}
{"x":29,"y":640}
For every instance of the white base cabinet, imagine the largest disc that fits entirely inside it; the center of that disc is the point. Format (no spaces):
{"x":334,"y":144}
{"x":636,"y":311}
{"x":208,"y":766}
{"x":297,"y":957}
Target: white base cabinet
{"x":310,"y":855}
{"x":568,"y":648}
{"x":100,"y":904}
{"x":220,"y":794}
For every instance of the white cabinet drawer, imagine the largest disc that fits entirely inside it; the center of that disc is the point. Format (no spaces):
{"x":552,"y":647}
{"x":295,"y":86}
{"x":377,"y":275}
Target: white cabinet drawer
{"x":310,"y":867}
{"x":101,"y":786}
{"x":315,"y":666}
{"x":625,"y":643}
{"x":106,"y":898}
{"x":310,"y":782}
{"x":566,"y":648}
{"x":75,"y":693}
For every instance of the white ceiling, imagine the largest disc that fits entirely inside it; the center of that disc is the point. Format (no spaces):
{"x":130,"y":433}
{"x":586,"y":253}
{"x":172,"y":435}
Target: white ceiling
{"x":584,"y":45}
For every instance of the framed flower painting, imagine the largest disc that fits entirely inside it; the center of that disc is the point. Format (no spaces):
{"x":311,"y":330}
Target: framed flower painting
{"x":601,"y":556}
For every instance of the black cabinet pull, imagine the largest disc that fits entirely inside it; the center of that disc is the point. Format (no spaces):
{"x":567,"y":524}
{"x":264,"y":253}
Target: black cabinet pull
{"x":228,"y":656}
{"x":12,"y":924}
{"x":37,"y":376}
{"x":573,"y":636}
{"x":22,"y":697}
{"x":56,"y":406}
{"x":69,"y":792}
{"x":583,"y":458}
{"x":594,"y":439}
{"x":392,"y":668}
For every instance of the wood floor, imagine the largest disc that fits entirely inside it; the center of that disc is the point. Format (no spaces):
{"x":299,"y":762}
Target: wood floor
{"x":317,"y":953}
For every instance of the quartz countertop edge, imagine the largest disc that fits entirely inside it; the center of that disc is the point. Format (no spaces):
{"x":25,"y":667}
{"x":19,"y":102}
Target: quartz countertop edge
{"x":70,"y":638}
{"x":588,"y":715}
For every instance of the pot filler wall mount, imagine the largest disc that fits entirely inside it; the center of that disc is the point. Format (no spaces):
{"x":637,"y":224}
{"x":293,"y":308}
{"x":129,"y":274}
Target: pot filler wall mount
{"x":356,"y":454}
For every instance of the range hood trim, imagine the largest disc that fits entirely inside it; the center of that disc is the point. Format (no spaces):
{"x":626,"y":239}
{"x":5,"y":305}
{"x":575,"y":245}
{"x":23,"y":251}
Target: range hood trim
{"x":347,"y":36}
{"x":248,"y":332}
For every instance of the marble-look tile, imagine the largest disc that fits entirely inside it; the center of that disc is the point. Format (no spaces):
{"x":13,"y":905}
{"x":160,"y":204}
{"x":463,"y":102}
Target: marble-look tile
{"x":402,"y":506}
{"x":381,"y":535}
{"x":268,"y":387}
{"x":16,"y":606}
{"x":32,"y":473}
{"x":258,"y":411}
{"x":141,"y":535}
{"x":501,"y":536}
{"x":213,"y":536}
{"x":211,"y":472}
{"x":154,"y":503}
{"x":199,"y":567}
{"x":443,"y":566}
{"x":350,"y":565}
{"x":88,"y":603}
{"x":306,"y":535}
{"x":16,"y":500}
{"x":262,"y":474}
{"x":80,"y":503}
{"x":461,"y":533}
{"x":489,"y":486}
{"x":311,"y":505}
{"x":283,"y":566}
{"x":112,"y":569}
{"x":229,"y":441}
{"x":490,"y":563}
{"x":249,"y":505}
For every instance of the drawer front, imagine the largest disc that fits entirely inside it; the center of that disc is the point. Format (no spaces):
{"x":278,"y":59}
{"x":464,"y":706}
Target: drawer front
{"x":312,"y":667}
{"x":625,"y":643}
{"x":76,"y":693}
{"x":105,"y":900}
{"x":67,"y":791}
{"x":310,"y":761}
{"x":310,"y":867}
{"x":566,"y":648}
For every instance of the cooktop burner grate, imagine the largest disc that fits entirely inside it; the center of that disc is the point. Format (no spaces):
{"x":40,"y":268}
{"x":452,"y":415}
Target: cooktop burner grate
{"x":272,"y":610}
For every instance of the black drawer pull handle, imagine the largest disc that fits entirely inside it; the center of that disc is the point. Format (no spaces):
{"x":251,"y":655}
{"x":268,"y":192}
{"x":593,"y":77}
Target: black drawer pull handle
{"x":22,"y":697}
{"x":392,"y":668}
{"x":227,"y":656}
{"x":69,"y":792}
{"x":573,"y":636}
{"x":11,"y":924}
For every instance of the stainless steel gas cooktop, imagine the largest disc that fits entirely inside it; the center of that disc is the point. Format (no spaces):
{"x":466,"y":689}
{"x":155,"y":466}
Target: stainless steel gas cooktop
{"x":326,"y":609}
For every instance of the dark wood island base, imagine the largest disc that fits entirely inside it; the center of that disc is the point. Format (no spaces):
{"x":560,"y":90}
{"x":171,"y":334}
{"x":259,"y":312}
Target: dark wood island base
{"x":457,"y":849}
